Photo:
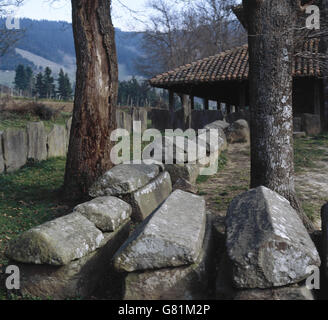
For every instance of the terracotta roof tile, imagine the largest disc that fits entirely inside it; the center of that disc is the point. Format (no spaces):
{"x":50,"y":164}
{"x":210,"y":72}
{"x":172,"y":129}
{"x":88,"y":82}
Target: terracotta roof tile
{"x":233,"y":65}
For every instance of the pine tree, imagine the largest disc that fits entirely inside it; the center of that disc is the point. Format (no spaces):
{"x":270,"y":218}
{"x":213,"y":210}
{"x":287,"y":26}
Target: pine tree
{"x":64,"y":86}
{"x":28,"y":85}
{"x":39,"y":86}
{"x":69,"y":90}
{"x":20,"y":78}
{"x":61,"y":84}
{"x":48,"y":83}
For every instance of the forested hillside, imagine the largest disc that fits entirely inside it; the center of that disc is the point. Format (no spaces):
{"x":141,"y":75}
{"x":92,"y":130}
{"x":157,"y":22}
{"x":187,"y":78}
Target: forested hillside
{"x":49,"y":43}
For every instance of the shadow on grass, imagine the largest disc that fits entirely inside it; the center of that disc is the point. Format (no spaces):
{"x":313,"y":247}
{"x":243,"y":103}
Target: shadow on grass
{"x":29,"y":197}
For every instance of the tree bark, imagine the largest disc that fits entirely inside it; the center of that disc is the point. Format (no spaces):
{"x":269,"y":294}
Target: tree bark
{"x":271,"y":47}
{"x":94,"y":115}
{"x":186,"y":111}
{"x":324,"y":66}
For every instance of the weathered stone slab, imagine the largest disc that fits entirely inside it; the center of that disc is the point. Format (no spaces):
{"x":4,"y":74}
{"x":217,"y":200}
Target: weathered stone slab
{"x":57,"y":142}
{"x":57,"y":242}
{"x":214,"y":140}
{"x":107,"y":213}
{"x":267,"y":242}
{"x":297,"y":122}
{"x":311,"y":124}
{"x":194,"y":282}
{"x":219,"y":124}
{"x":172,"y":149}
{"x":298,"y":135}
{"x":285,"y":293}
{"x":14,"y":148}
{"x":140,"y":114}
{"x":189,"y":172}
{"x":80,"y":278}
{"x":171,"y":237}
{"x":238,"y":132}
{"x":37,"y":141}
{"x":124,"y":179}
{"x":147,"y":199}
{"x":124,"y":120}
{"x":186,"y":186}
{"x":2,"y":161}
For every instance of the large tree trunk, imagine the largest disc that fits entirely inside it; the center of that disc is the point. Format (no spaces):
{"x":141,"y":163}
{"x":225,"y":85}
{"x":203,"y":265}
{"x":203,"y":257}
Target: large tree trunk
{"x":271,"y":33}
{"x":324,"y":64}
{"x":94,"y":116}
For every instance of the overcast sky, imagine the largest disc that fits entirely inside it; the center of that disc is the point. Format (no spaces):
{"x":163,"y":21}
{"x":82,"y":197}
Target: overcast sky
{"x":61,"y":10}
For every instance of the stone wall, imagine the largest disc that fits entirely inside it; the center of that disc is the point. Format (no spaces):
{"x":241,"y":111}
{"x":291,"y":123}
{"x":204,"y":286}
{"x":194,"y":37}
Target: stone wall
{"x":18,"y":145}
{"x":162,"y":119}
{"x":171,"y":249}
{"x":267,"y":252}
{"x":70,"y":257}
{"x":33,"y":142}
{"x":125,"y":118}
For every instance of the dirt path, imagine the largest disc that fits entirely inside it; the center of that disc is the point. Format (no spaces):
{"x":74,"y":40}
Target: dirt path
{"x":234,"y":179}
{"x":312,"y":187}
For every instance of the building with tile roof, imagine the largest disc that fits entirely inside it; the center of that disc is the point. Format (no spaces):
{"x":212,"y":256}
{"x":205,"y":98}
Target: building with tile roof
{"x":224,"y":78}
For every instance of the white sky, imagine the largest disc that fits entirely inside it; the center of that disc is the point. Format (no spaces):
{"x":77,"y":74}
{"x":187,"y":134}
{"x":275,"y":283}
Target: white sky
{"x":61,"y":10}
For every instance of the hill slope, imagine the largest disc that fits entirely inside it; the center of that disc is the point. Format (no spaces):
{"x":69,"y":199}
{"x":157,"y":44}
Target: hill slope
{"x":51,"y":43}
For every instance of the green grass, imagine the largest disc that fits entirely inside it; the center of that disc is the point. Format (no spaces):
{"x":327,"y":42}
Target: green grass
{"x":223,"y":159}
{"x":310,"y":210}
{"x":19,"y":121}
{"x":41,"y":100}
{"x":30,"y":197}
{"x":308,"y":151}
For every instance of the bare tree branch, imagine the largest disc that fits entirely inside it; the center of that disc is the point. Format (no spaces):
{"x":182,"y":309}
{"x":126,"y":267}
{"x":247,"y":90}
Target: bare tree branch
{"x":8,"y":38}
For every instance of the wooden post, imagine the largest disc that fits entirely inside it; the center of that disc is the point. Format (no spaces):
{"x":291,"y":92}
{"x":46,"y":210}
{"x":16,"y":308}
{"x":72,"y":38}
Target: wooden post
{"x":192,"y":102}
{"x":317,"y":98}
{"x":228,"y":107}
{"x":186,"y":111}
{"x":242,"y":95}
{"x":218,"y":105}
{"x":206,"y":104}
{"x":171,"y":101}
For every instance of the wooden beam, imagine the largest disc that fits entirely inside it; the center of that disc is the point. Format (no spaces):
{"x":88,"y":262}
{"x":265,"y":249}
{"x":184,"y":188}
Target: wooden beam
{"x":325,"y":103}
{"x":192,"y":102}
{"x":171,"y":100}
{"x":206,"y":104}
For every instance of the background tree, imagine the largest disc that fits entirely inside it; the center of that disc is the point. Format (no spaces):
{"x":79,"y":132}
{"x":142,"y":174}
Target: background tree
{"x":24,"y":79}
{"x":8,"y":38}
{"x":20,"y":78}
{"x":39,"y":90}
{"x":64,"y":86}
{"x":48,"y":83}
{"x":271,"y":26}
{"x":29,"y":81}
{"x":178,"y":34}
{"x":137,"y":93}
{"x":95,"y":96}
